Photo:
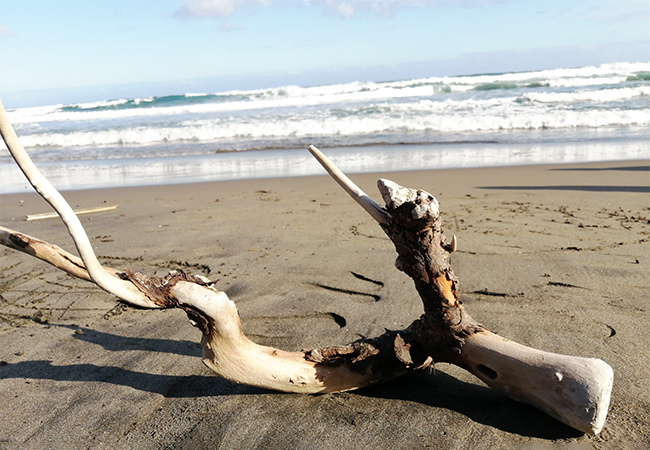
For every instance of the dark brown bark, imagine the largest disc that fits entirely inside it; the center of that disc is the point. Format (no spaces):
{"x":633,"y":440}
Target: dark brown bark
{"x":423,"y":255}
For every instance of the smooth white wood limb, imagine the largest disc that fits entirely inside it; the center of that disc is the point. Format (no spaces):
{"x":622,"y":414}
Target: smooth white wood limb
{"x":67,"y":262}
{"x":572,"y":389}
{"x":231,"y":355}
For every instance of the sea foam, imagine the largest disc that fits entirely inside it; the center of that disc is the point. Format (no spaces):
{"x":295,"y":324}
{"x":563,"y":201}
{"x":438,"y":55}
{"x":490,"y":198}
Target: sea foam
{"x":527,"y":107}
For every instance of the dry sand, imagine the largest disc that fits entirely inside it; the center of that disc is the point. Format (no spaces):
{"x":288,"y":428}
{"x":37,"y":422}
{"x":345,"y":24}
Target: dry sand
{"x":555,"y":257}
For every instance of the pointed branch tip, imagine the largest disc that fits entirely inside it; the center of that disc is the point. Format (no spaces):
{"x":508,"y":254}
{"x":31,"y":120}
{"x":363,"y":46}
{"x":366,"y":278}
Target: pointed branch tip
{"x":377,"y":212}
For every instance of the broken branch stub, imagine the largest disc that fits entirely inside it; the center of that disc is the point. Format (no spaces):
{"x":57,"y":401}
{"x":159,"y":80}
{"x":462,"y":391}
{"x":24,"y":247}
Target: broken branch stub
{"x":371,"y":207}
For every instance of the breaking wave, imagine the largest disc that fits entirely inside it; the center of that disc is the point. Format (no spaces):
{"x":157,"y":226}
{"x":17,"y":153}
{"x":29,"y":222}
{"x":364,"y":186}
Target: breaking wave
{"x":424,"y":110}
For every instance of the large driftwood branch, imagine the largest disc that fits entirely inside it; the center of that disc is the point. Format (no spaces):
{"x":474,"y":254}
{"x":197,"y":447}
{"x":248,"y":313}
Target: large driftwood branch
{"x":572,"y":389}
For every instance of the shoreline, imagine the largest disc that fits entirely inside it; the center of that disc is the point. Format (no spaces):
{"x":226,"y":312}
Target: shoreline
{"x":551,"y":256}
{"x":461,"y":179}
{"x":156,"y":171}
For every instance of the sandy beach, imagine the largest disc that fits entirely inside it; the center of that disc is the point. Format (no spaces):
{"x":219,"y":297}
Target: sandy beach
{"x":556,"y":257}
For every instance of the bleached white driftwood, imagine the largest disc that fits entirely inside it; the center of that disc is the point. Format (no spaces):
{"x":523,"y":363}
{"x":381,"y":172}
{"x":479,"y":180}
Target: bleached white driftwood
{"x":49,"y":253}
{"x":367,"y":203}
{"x":226,"y":350}
{"x":231,"y":355}
{"x":574,"y":390}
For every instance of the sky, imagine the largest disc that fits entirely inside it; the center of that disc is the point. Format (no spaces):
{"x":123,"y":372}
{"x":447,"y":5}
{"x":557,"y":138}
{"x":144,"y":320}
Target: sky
{"x":63,"y":51}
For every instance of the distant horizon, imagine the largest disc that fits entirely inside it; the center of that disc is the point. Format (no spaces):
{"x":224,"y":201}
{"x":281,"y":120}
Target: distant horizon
{"x":415,"y":70}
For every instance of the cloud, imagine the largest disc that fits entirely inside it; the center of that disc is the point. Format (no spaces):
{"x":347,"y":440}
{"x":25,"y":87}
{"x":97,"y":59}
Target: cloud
{"x":213,"y":9}
{"x":346,"y":9}
{"x":5,"y":32}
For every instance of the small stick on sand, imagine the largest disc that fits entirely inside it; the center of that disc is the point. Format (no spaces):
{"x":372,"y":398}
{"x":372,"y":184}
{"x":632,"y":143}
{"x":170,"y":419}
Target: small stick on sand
{"x":78,"y":212}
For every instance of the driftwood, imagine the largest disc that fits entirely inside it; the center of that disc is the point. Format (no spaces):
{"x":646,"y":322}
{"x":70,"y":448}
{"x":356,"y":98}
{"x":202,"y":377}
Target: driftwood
{"x":574,"y":390}
{"x":53,"y":215}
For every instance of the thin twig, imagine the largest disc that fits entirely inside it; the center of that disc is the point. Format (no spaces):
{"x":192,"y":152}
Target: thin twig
{"x":377,"y":212}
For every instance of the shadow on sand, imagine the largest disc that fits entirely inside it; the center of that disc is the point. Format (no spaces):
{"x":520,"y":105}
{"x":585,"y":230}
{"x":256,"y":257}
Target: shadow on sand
{"x":635,"y":189}
{"x":439,"y":390}
{"x":598,"y":169}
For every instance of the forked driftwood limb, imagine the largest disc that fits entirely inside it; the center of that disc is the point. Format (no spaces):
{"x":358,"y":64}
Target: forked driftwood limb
{"x":574,"y":390}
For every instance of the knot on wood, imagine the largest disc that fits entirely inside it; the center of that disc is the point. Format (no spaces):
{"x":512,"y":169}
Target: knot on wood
{"x":421,"y":204}
{"x":337,"y":355}
{"x":157,"y":289}
{"x":19,"y":240}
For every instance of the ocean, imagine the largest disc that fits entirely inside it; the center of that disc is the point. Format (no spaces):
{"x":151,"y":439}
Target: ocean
{"x":594,"y":113}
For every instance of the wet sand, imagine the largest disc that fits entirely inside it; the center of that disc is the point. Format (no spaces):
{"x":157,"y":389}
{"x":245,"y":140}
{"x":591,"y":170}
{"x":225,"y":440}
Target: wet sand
{"x":554,"y":257}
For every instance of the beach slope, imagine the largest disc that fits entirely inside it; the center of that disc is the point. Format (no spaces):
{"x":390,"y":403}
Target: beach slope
{"x":553,"y":257}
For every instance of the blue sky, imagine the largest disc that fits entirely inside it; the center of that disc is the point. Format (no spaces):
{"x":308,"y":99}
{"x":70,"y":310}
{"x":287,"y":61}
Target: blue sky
{"x":85,"y":50}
